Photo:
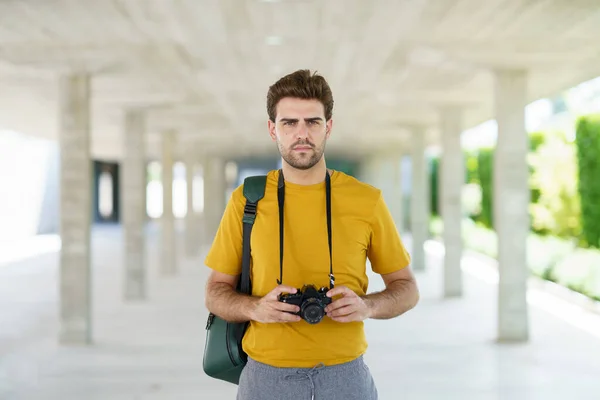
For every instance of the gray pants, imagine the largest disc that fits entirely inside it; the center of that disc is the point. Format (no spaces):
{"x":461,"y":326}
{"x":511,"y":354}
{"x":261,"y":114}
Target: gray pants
{"x":348,"y":381}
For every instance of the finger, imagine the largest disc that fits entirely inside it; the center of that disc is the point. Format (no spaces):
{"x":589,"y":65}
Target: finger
{"x":343,"y":311}
{"x":344,"y":301}
{"x":339,"y":290}
{"x":278,"y":305}
{"x":285,"y":317}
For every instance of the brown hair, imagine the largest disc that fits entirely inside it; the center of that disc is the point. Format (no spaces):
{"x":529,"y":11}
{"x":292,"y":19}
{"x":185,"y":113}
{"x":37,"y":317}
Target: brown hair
{"x":300,"y":84}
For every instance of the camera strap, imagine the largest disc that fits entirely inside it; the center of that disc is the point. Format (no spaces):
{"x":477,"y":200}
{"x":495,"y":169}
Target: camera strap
{"x":280,"y":199}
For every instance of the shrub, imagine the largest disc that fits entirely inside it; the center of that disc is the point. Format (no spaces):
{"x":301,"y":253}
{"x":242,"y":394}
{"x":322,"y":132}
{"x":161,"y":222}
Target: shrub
{"x":544,"y":252}
{"x":485,"y":163}
{"x":436,"y":226}
{"x":471,"y":168}
{"x":556,"y":210}
{"x":479,"y":238}
{"x":548,"y":257}
{"x":536,"y":139}
{"x":588,"y":155}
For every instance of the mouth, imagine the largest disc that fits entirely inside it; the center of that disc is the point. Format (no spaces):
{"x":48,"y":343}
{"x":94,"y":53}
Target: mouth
{"x":302,"y":148}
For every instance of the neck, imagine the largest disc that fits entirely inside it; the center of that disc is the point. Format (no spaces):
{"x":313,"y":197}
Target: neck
{"x":311,"y":176}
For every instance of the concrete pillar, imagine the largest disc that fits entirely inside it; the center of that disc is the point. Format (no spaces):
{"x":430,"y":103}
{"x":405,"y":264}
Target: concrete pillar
{"x":75,"y":210}
{"x":133,"y":194}
{"x":419,"y":202}
{"x":397,"y":195}
{"x":202,"y":186}
{"x":387,"y":178}
{"x":369,"y":168}
{"x":452,"y":177}
{"x":192,"y":242}
{"x":511,"y":202}
{"x":214,"y":195}
{"x":168,"y":242}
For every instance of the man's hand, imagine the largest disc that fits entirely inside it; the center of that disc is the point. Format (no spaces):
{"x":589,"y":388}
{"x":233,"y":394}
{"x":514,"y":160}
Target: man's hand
{"x":348,"y":308}
{"x":269,"y":309}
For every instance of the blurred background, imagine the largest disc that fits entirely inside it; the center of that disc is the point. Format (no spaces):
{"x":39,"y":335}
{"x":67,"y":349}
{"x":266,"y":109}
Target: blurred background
{"x":126,"y":124}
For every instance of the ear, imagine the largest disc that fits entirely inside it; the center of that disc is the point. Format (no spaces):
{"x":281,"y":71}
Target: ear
{"x":272,"y":133}
{"x":328,"y":128}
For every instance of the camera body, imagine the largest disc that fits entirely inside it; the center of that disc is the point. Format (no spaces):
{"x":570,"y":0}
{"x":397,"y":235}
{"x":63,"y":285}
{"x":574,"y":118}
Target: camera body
{"x":312,"y":302}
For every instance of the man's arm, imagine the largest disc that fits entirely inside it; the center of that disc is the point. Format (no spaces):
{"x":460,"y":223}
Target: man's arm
{"x":400,"y":295}
{"x":223,"y":300}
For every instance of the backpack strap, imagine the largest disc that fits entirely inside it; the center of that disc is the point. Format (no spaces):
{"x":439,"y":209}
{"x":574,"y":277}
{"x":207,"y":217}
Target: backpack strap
{"x":254,"y":190}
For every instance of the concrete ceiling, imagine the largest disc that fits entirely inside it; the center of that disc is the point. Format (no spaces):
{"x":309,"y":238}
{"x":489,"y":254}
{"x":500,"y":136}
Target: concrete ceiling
{"x":203,"y":67}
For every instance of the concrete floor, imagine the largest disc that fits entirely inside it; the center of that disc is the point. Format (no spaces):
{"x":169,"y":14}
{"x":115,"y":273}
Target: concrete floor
{"x":443,"y":349}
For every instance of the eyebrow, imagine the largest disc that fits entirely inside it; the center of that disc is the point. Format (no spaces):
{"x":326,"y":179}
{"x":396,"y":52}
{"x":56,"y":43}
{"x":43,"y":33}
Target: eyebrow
{"x":305,"y":119}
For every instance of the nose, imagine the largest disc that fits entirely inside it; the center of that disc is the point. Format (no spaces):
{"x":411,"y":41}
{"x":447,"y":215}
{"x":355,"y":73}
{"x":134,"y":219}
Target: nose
{"x":302,"y":132}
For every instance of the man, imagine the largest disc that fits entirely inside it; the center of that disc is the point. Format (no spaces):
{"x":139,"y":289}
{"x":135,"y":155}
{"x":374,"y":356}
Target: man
{"x":289,"y":357}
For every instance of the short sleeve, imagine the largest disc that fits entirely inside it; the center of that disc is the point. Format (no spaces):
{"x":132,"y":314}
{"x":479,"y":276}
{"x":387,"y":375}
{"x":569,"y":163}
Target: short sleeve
{"x":225,"y":254}
{"x":386,"y":251}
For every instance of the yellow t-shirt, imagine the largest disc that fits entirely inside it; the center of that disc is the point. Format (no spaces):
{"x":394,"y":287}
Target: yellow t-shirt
{"x":362,"y":227}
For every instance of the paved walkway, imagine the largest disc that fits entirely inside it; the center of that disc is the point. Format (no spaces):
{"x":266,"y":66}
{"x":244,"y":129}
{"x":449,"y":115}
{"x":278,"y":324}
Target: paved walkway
{"x":443,"y":349}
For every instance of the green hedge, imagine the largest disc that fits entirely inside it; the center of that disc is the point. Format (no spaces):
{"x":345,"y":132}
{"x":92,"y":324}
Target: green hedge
{"x":588,"y":154}
{"x":434,"y":183}
{"x":485,"y":163}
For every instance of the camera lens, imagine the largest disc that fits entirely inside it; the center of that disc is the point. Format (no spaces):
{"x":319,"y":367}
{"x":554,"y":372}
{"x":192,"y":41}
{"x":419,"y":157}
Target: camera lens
{"x":312,"y":312}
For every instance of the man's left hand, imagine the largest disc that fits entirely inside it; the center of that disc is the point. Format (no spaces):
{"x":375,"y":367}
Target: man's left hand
{"x":350,"y":307}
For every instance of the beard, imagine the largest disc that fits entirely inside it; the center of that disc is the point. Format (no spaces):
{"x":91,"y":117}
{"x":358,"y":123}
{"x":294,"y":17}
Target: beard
{"x":302,"y":160}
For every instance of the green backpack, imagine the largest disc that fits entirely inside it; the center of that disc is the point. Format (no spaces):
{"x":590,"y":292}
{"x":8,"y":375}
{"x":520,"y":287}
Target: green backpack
{"x":224,"y":357}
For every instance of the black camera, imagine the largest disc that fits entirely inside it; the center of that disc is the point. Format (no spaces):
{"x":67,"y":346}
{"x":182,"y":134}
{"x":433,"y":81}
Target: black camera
{"x":312,"y":302}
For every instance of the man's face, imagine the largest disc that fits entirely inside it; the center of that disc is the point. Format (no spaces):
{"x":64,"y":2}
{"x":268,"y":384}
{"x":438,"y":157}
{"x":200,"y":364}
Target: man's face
{"x":300,"y":131}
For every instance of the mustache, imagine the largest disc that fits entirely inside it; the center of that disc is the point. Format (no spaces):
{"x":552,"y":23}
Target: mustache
{"x":303,"y":143}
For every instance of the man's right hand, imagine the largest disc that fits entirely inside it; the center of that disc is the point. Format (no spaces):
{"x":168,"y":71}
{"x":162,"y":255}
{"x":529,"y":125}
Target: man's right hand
{"x":269,"y":309}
